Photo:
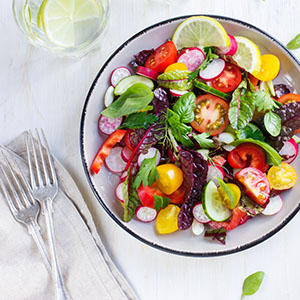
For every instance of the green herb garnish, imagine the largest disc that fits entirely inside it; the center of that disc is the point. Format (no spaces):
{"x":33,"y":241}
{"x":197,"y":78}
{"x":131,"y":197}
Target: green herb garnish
{"x":252,"y":283}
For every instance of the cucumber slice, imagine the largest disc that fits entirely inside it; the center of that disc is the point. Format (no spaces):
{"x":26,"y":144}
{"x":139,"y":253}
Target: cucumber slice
{"x":213,"y":204}
{"x":204,"y":87}
{"x":127,"y":82}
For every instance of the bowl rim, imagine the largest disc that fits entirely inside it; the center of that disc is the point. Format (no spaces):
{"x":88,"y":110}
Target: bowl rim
{"x":86,"y":168}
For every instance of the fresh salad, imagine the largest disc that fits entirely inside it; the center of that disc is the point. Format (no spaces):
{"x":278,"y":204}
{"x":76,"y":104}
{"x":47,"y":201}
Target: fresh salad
{"x":198,"y":133}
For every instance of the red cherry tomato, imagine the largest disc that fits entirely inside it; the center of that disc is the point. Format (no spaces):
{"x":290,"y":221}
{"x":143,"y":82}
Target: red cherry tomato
{"x":146,"y":194}
{"x":229,"y":79}
{"x":247,"y":155}
{"x":178,"y":196}
{"x":256,"y":184}
{"x":211,"y":114}
{"x":163,"y":56}
{"x":253,"y":79}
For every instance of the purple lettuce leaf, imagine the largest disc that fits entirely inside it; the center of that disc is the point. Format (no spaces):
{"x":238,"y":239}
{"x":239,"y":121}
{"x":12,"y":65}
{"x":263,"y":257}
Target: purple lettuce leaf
{"x":218,"y":234}
{"x":140,"y":58}
{"x":281,"y":89}
{"x":194,"y":168}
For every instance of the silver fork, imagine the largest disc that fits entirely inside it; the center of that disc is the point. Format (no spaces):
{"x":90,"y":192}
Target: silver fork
{"x":45,"y":187}
{"x":22,"y":204}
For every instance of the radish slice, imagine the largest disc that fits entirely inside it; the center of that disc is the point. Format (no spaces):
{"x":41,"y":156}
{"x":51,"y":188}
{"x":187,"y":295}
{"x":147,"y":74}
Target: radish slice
{"x":234,"y":171}
{"x":122,"y":191}
{"x":197,"y":228}
{"x":118,"y":74}
{"x":192,"y":57}
{"x":289,"y":151}
{"x":199,"y":214}
{"x":177,"y":93}
{"x":146,"y":72}
{"x":145,"y":214}
{"x":109,"y":125}
{"x":231,"y":49}
{"x":226,"y":138}
{"x":213,"y":70}
{"x":123,"y":176}
{"x":273,"y":207}
{"x":109,"y":96}
{"x":151,"y":153}
{"x":126,"y":153}
{"x":214,"y":171}
{"x":114,"y":161}
{"x":228,"y":147}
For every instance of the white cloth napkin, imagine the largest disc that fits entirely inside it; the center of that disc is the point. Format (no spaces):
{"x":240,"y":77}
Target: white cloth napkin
{"x":87,"y":269}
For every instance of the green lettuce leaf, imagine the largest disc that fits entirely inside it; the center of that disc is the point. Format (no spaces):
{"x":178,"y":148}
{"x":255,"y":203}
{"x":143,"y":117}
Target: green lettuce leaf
{"x":177,"y":80}
{"x":184,"y":107}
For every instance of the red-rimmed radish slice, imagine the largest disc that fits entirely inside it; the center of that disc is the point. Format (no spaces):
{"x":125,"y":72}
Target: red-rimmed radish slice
{"x":109,"y":125}
{"x":215,"y":171}
{"x":192,"y":57}
{"x":146,"y":72}
{"x":197,"y":228}
{"x":226,"y":138}
{"x":213,"y":70}
{"x":109,"y":96}
{"x":199,"y":213}
{"x":122,"y":191}
{"x":145,"y":214}
{"x":118,"y":74}
{"x":177,"y":93}
{"x":229,"y":50}
{"x":273,"y":207}
{"x":151,"y":153}
{"x":126,"y":153}
{"x":289,"y":151}
{"x":114,"y":162}
{"x":123,"y":176}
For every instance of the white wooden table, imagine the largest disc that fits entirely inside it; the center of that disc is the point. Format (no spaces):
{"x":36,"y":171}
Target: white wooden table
{"x":40,"y":90}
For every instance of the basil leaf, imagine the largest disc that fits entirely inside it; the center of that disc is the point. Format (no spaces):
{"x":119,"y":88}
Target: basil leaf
{"x":136,"y":98}
{"x":263,"y":101}
{"x":228,"y":191}
{"x":184,"y":107}
{"x":294,"y":43}
{"x":250,"y":131}
{"x":272,"y":123}
{"x":177,"y":80}
{"x":160,"y":202}
{"x":139,"y":120}
{"x":179,"y":130}
{"x":273,"y":157}
{"x":203,"y":141}
{"x":252,"y":283}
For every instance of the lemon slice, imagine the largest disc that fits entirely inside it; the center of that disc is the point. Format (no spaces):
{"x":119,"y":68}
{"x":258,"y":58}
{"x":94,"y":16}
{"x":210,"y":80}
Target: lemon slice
{"x":68,"y":23}
{"x":247,"y":55}
{"x":200,"y":32}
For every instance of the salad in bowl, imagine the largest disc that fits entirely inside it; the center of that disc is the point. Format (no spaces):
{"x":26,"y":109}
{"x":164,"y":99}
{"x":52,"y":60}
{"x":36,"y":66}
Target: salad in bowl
{"x":199,"y":135}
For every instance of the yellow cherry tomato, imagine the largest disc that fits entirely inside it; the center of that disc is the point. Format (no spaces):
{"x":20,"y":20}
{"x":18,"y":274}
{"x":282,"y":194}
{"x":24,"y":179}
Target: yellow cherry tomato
{"x":269,"y":69}
{"x":176,"y":67}
{"x":237,"y":195}
{"x":170,"y":178}
{"x":282,"y":177}
{"x":166,"y":221}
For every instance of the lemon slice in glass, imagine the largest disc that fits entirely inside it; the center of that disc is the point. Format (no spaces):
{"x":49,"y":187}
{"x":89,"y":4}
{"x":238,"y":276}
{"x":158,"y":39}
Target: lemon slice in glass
{"x":247,"y":55}
{"x":68,"y":23}
{"x":200,"y":32}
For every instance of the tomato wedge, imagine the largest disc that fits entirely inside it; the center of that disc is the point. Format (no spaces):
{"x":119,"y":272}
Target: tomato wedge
{"x":106,"y":148}
{"x":256,"y":185}
{"x":211,"y":114}
{"x":229,"y":79}
{"x":282,"y":177}
{"x":162,"y":57}
{"x":247,"y":155}
{"x":146,"y":194}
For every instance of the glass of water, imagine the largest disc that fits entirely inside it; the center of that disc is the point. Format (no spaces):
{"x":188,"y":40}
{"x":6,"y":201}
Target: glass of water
{"x":64,"y":27}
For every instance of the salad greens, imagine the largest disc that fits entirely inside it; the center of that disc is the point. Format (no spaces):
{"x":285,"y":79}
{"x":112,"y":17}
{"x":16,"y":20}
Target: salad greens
{"x":177,"y":80}
{"x":139,"y":120}
{"x":203,"y":140}
{"x":184,"y":107}
{"x":272,"y":123}
{"x":160,"y":202}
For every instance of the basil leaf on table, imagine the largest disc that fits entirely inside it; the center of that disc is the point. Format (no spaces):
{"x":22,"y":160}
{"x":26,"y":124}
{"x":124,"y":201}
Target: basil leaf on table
{"x":184,"y":107}
{"x":272,"y":123}
{"x":294,"y":43}
{"x":139,"y":120}
{"x":136,"y":98}
{"x":252,"y":283}
{"x":203,"y":140}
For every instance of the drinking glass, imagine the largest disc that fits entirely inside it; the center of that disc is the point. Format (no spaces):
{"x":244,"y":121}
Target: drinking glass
{"x":64,"y":27}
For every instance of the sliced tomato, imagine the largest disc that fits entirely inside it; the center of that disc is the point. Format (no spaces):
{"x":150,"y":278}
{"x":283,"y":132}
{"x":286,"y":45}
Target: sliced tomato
{"x":211,"y":114}
{"x":106,"y":148}
{"x":229,"y":79}
{"x":178,"y":196}
{"x":247,"y":155}
{"x":146,"y":194}
{"x":219,"y":160}
{"x":238,"y":217}
{"x":256,"y":184}
{"x":162,"y":57}
{"x":253,"y":79}
{"x":129,"y":142}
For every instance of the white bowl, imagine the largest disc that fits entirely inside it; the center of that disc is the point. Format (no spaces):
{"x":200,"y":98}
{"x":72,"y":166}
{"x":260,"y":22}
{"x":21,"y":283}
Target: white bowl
{"x":103,"y":185}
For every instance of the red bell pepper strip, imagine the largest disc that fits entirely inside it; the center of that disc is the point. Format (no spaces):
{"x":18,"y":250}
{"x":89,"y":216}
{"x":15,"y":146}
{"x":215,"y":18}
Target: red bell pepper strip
{"x":106,"y":148}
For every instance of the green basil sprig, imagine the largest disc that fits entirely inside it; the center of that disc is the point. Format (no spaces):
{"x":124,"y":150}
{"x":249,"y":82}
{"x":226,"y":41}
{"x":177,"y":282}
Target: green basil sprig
{"x":252,"y":283}
{"x":184,"y":107}
{"x":272,"y":123}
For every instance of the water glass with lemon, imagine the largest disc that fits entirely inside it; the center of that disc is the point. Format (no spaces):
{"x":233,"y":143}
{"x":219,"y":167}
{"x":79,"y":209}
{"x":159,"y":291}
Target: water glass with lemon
{"x":65,"y":27}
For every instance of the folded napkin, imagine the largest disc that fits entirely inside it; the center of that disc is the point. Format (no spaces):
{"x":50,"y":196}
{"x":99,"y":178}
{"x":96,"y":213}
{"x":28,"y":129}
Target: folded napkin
{"x":87,"y":269}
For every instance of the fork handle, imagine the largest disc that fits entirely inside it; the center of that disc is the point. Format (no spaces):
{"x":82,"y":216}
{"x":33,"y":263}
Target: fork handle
{"x":61,"y":293}
{"x":34,"y":231}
